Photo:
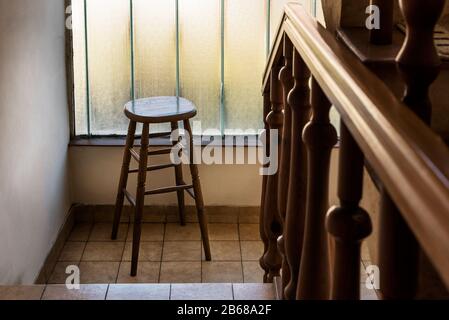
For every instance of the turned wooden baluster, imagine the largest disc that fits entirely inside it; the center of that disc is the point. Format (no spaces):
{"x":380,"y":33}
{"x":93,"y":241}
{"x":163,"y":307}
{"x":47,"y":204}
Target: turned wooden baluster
{"x":263,"y":235}
{"x":299,"y":102}
{"x":418,"y":60}
{"x":272,"y":223}
{"x":348,"y":223}
{"x":419,"y":64}
{"x":319,"y":137}
{"x":286,"y":78}
{"x":383,"y":35}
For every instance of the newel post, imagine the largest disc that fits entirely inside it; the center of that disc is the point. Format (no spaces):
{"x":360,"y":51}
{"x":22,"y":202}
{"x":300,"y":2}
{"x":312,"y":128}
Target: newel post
{"x":418,"y":60}
{"x":383,"y":35}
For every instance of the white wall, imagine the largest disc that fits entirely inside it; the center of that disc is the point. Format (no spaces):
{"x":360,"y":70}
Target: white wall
{"x":95,"y":173}
{"x":34,"y":133}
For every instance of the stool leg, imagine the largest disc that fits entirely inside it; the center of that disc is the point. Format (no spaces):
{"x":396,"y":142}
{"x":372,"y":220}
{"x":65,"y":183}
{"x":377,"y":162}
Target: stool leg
{"x":140,"y":197}
{"x":179,"y":181}
{"x":198,"y":195}
{"x":123,"y":179}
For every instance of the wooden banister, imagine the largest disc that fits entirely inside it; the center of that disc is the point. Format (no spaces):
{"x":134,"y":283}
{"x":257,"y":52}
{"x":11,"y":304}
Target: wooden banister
{"x":411,"y":161}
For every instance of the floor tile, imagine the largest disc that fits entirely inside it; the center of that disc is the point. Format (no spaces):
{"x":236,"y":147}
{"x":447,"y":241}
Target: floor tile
{"x":249,"y":215}
{"x":223,"y":231}
{"x":99,"y":272}
{"x":254,"y":291}
{"x":222,"y":272}
{"x":59,"y":275}
{"x":80,"y":232}
{"x":222,"y":215}
{"x":21,"y":292}
{"x":106,"y":214}
{"x":102,"y":232}
{"x":252,"y":272}
{"x":72,"y":251}
{"x":205,"y":291}
{"x":149,"y":251}
{"x":152,"y":216}
{"x":150,"y":232}
{"x":86,"y":292}
{"x":367,"y":294}
{"x":190,"y":232}
{"x":249,"y":232}
{"x":191,"y":217}
{"x":180,"y":272}
{"x":182,"y":251}
{"x":103,"y":251}
{"x":251,"y":250}
{"x":147,"y":272}
{"x":225,"y":251}
{"x":138,"y":292}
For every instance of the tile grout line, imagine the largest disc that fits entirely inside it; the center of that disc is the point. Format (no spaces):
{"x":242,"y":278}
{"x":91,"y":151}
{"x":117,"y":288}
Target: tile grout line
{"x":43,"y":292}
{"x":162,"y":254}
{"x":85,"y":246}
{"x":123,"y":251}
{"x":107,"y":292}
{"x":79,"y":261}
{"x":201,"y":252}
{"x":241,"y":254}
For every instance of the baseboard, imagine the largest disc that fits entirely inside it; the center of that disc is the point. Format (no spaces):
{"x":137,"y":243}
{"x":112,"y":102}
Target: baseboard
{"x":55,"y":251}
{"x":162,"y":214}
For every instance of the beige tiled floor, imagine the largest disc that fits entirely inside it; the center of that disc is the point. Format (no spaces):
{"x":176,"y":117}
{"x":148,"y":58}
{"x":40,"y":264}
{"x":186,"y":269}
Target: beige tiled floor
{"x":169,"y":253}
{"x":218,"y":291}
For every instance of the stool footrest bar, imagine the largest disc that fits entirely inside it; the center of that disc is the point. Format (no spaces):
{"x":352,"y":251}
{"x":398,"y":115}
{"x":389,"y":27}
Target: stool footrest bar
{"x":155,"y":167}
{"x":168,"y":189}
{"x":160,"y":152}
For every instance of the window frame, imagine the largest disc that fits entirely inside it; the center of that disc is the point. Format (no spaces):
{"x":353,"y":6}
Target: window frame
{"x":119,"y":139}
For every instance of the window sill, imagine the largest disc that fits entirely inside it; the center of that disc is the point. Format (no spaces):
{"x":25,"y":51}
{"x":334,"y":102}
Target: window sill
{"x":119,"y":141}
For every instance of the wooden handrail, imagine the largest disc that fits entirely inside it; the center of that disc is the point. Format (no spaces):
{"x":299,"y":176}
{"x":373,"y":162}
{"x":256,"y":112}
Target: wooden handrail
{"x":410,"y":159}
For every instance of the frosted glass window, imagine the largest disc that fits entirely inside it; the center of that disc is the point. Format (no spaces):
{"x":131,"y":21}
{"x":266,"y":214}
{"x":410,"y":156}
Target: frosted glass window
{"x":277,"y":11}
{"x":155,"y":48}
{"x":199,"y":39}
{"x":245,"y":58}
{"x":79,"y":68}
{"x":154,"y":51}
{"x":212,"y":52}
{"x":109,"y":59}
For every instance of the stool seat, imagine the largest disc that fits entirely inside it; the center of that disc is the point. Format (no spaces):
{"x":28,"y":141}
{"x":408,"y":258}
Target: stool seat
{"x":160,"y":109}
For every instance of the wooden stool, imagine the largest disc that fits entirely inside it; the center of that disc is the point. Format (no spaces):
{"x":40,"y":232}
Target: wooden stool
{"x":148,"y":111}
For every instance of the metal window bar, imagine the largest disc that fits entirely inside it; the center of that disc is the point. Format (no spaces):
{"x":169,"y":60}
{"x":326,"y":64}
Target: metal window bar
{"x":86,"y":43}
{"x":131,"y":36}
